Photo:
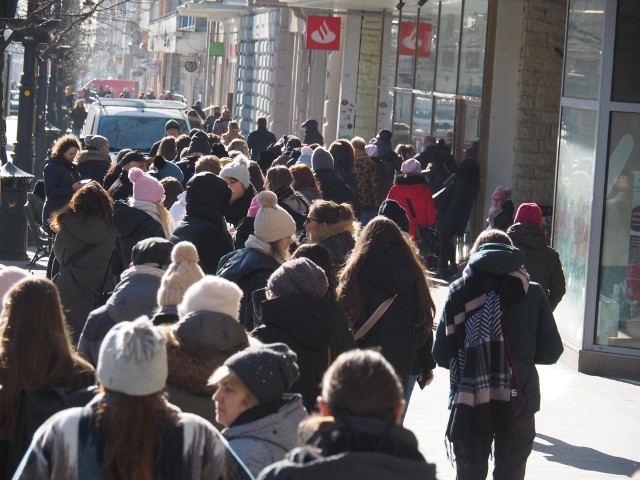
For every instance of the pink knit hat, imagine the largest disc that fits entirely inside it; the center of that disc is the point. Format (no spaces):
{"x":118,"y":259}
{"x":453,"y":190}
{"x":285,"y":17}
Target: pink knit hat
{"x":145,"y":187}
{"x":411,"y":167}
{"x":529,"y":213}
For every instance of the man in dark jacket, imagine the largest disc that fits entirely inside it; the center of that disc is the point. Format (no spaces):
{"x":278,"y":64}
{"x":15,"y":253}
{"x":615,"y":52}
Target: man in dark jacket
{"x":311,"y":133}
{"x":389,"y":162}
{"x":134,"y":296}
{"x":204,"y":224}
{"x":260,"y":139}
{"x":171,"y":129}
{"x":198,"y":147}
{"x":94,"y":162}
{"x":503,"y":326}
{"x":332,"y":185}
{"x":122,"y":188}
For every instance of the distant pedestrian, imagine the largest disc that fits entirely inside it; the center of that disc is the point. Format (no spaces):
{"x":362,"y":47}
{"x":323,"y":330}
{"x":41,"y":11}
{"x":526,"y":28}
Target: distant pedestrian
{"x":501,"y":210}
{"x":311,"y":133}
{"x":78,"y":116}
{"x":94,"y":162}
{"x":367,"y":180}
{"x":333,"y":187}
{"x":260,"y":139}
{"x":232,"y":133}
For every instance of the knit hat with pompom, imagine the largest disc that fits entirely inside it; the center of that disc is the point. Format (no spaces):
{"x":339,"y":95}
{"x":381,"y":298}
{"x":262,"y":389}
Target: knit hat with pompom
{"x":145,"y":187}
{"x":183,"y":272}
{"x":272,"y":221}
{"x":213,"y":294}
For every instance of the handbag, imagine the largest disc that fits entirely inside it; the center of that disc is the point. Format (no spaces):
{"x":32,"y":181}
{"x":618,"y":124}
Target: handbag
{"x":373,"y":319}
{"x":101,"y":296}
{"x":427,"y":239}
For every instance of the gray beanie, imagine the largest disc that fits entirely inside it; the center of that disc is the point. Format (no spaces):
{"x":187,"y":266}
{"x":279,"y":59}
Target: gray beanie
{"x":95,"y":142}
{"x":298,"y":277}
{"x":268,"y":370}
{"x":321,"y":159}
{"x":237,"y":170}
{"x":133,"y":359}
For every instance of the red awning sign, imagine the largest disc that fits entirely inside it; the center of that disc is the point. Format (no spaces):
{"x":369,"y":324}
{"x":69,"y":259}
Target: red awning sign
{"x":323,"y":33}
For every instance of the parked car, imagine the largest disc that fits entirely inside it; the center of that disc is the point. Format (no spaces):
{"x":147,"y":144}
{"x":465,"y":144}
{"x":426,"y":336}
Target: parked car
{"x":14,"y":102}
{"x":133,"y":123}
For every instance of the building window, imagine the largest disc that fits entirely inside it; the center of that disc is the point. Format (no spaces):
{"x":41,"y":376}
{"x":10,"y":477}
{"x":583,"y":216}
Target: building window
{"x":186,"y":23}
{"x":626,"y":58}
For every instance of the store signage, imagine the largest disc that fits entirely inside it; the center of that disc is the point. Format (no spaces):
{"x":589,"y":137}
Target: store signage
{"x":216,"y":49}
{"x":415,"y":36}
{"x":323,"y":33}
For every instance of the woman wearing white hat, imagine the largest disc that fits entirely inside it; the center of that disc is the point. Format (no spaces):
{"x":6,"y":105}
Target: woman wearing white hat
{"x":264,"y":251}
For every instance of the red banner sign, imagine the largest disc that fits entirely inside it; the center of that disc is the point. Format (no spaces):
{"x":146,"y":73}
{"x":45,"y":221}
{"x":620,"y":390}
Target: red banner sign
{"x":323,"y":33}
{"x":412,"y":34}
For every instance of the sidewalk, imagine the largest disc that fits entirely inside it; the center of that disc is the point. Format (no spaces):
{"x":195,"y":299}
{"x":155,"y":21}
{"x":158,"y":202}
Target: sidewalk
{"x":588,"y":427}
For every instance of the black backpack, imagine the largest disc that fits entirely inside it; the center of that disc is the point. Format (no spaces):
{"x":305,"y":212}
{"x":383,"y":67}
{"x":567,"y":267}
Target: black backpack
{"x":33,"y":410}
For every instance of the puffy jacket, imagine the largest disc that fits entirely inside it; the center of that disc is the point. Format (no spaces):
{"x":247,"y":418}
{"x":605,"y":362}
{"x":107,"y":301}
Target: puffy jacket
{"x":266,"y":440}
{"x":309,"y":326}
{"x":416,"y":189}
{"x":59,"y":177}
{"x":541,"y":261}
{"x":93,"y":164}
{"x":249,"y":269}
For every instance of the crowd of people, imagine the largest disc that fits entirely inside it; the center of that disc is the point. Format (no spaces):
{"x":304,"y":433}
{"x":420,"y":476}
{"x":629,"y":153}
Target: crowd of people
{"x":262,"y":309}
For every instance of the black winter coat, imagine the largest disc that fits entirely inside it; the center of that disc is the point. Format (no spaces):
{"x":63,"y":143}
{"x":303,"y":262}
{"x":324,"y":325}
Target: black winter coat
{"x":315,"y":329}
{"x":122,"y":188}
{"x":334,"y":188}
{"x":384,"y":274}
{"x":237,"y":211}
{"x":93,"y":165}
{"x":132,"y":225}
{"x":541,"y":261}
{"x":454,"y":214}
{"x":211,"y":240}
{"x":259,"y":140}
{"x":59,"y":177}
{"x":249,"y":269}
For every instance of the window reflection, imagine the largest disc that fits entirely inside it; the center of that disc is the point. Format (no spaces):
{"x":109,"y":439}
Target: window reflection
{"x":474,"y":30}
{"x":448,"y":47}
{"x":619,"y":301}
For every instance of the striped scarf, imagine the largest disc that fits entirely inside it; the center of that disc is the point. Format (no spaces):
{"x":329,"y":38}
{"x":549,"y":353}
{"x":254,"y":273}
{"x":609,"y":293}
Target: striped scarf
{"x":479,"y":370}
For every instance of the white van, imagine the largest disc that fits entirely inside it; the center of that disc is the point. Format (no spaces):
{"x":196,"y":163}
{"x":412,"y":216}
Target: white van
{"x":133,"y":123}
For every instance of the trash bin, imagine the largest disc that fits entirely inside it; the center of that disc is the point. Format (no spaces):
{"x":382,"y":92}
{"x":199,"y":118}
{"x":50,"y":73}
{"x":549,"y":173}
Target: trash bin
{"x":14,"y":185}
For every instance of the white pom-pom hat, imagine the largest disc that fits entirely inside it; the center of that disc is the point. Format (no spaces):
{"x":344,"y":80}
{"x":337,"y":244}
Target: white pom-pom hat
{"x":183,"y":272}
{"x":213,"y":294}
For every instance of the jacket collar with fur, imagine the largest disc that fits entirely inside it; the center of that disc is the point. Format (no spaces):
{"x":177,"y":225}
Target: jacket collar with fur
{"x":330,"y":230}
{"x":92,"y":156}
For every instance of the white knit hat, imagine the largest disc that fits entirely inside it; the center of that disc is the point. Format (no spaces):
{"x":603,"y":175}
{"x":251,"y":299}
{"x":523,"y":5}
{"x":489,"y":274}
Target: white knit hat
{"x":133,"y":359}
{"x":237,"y":170}
{"x":213,"y":294}
{"x":272,"y":221}
{"x":183,"y":272}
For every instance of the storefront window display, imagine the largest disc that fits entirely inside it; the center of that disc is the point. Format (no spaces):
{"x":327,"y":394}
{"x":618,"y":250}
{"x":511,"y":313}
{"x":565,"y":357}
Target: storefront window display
{"x":448,"y":47}
{"x":474,"y":32}
{"x":572,"y":213}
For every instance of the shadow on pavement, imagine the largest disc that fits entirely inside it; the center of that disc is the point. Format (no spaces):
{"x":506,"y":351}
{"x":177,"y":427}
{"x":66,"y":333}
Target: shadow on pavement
{"x":584,"y":458}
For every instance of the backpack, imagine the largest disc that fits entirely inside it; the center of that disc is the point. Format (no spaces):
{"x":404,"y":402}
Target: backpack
{"x":35,"y":408}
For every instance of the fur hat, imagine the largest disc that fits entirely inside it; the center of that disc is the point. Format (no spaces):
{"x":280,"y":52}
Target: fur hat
{"x":183,"y":272}
{"x":152,"y":250}
{"x":133,"y":359}
{"x":95,"y":142}
{"x":321,"y":159}
{"x":145,"y":187}
{"x":9,"y":276}
{"x":529,"y":213}
{"x":272,"y":221}
{"x":411,"y":167}
{"x":394,"y":211}
{"x":214,"y":294}
{"x":298,"y":277}
{"x":239,"y":171}
{"x":268,"y":370}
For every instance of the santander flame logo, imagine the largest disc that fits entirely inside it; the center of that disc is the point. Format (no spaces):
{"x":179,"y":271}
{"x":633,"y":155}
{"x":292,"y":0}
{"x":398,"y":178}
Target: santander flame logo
{"x":323,"y":33}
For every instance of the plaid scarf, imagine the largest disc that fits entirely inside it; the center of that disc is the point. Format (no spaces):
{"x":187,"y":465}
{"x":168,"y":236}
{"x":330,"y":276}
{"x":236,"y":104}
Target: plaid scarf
{"x":480,"y":376}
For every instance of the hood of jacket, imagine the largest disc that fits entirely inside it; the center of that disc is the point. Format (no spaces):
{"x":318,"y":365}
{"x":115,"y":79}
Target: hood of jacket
{"x":92,"y":156}
{"x":86,"y":229}
{"x":411,"y":180}
{"x":211,"y":332}
{"x":311,"y":321}
{"x":279,"y":428}
{"x":207,"y":197}
{"x":497,"y":259}
{"x":386,"y":269}
{"x":136,"y":294}
{"x":239,"y":263}
{"x":528,"y":236}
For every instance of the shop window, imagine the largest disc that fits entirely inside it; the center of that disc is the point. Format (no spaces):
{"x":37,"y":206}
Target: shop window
{"x":472,"y":50}
{"x":583,"y":53}
{"x":448,"y":47}
{"x":626,"y":58}
{"x":574,"y":199}
{"x":618,"y":321}
{"x":427,"y":30}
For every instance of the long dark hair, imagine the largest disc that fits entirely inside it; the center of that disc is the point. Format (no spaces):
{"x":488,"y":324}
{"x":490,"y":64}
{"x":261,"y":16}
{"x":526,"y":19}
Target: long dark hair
{"x":91,"y":200}
{"x":381,"y":232}
{"x":35,"y":348}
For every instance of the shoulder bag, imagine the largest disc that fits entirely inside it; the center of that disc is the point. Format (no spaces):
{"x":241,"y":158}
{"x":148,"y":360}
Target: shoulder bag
{"x":373,"y":319}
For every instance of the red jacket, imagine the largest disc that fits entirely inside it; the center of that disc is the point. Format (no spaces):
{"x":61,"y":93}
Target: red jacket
{"x":415,"y":188}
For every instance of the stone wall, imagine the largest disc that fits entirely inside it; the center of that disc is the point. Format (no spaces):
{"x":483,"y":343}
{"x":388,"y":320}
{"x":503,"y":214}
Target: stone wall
{"x":368,"y":76}
{"x":538,"y":104}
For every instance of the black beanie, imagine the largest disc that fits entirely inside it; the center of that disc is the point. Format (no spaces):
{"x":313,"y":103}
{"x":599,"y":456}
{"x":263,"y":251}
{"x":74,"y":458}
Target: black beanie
{"x":394,"y":211}
{"x":199,"y":144}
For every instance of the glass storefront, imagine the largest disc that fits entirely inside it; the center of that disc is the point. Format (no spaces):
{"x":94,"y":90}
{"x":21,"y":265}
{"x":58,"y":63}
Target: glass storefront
{"x":438,"y":54}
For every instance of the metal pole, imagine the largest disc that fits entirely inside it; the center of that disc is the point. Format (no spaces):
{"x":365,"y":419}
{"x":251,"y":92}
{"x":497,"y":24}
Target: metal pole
{"x":41,"y":113}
